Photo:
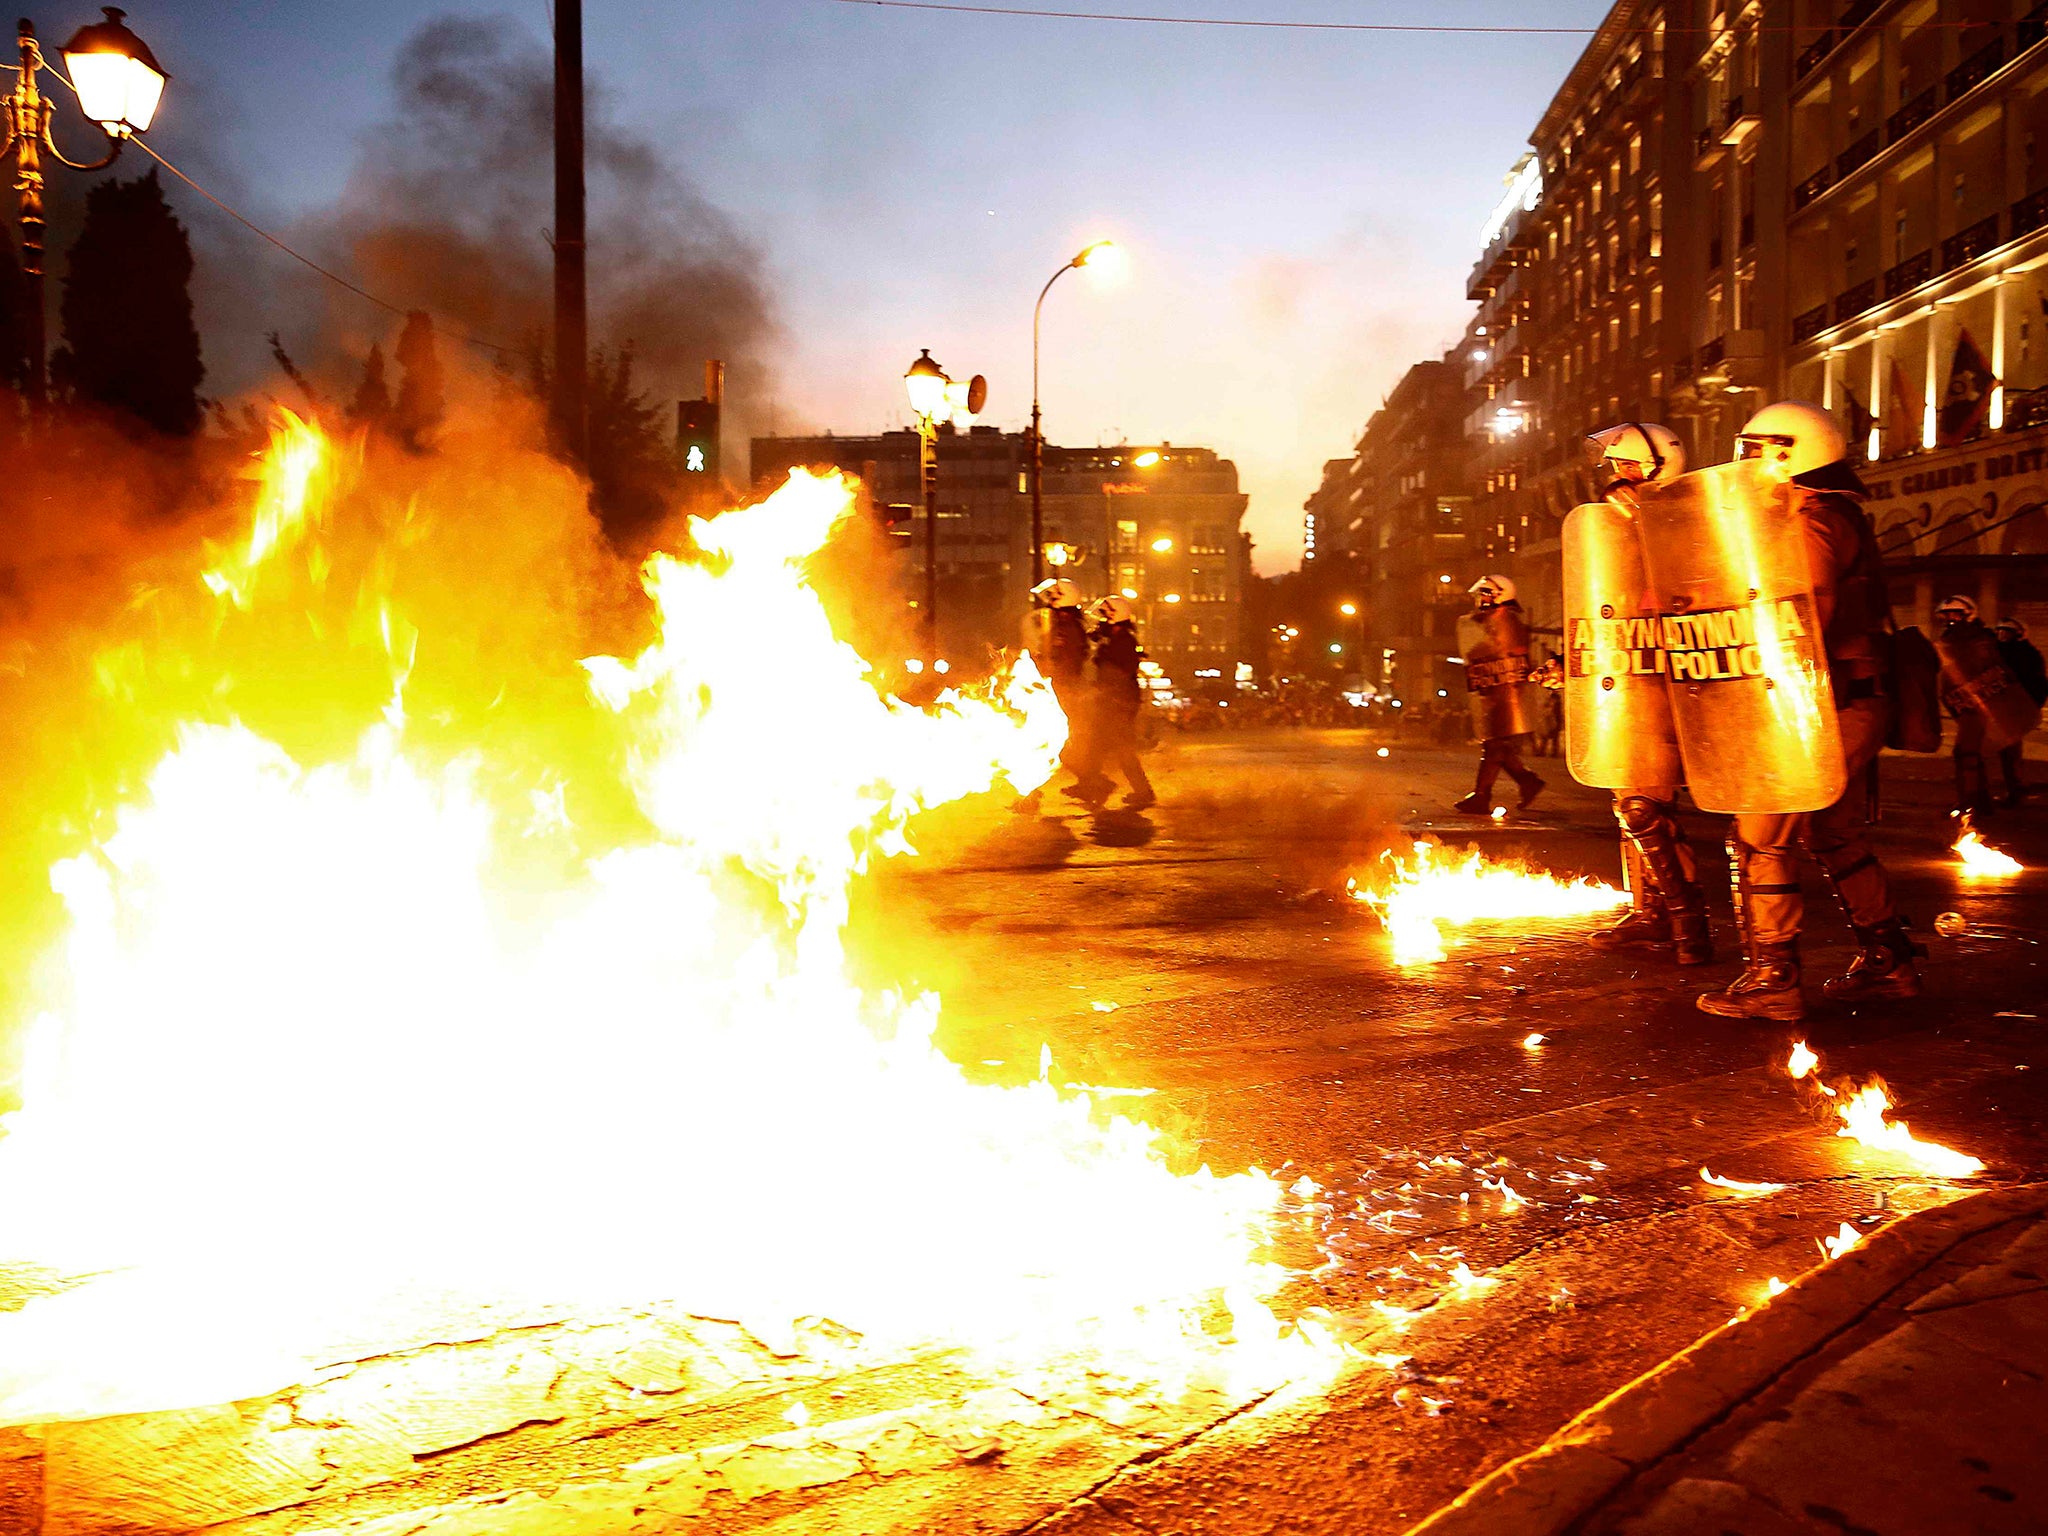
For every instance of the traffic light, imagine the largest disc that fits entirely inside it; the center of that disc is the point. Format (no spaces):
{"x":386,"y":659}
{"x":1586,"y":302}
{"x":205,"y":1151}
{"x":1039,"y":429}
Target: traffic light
{"x":895,"y":521}
{"x":697,"y":437}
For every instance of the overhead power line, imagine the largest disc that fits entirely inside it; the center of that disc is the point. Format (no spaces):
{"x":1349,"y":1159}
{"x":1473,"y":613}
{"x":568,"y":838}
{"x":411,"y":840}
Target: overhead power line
{"x":333,"y":277}
{"x":254,"y":228}
{"x":1277,"y":25}
{"x":1215,"y":21}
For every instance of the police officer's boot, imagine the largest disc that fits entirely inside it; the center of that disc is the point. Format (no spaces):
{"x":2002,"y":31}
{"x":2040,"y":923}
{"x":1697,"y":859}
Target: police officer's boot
{"x":1647,"y":926}
{"x":1693,"y":940}
{"x":1662,"y":873}
{"x":1474,"y":804}
{"x":1883,"y":968}
{"x":1768,"y":987}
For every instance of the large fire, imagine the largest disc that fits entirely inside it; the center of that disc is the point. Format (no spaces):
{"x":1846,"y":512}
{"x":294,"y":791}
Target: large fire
{"x":429,"y":972}
{"x":1416,"y":898}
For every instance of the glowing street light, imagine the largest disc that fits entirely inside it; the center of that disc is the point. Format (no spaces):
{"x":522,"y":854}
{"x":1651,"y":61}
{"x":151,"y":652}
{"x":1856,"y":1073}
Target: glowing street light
{"x":118,"y":80}
{"x":1146,"y":459}
{"x":1097,"y":253}
{"x":1163,"y":545}
{"x":119,"y":84}
{"x":925,"y":382}
{"x":1349,"y":610}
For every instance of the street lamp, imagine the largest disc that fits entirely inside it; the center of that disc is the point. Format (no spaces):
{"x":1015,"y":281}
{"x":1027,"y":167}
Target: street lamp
{"x":118,"y":83}
{"x":1088,"y":255}
{"x":934,"y":398}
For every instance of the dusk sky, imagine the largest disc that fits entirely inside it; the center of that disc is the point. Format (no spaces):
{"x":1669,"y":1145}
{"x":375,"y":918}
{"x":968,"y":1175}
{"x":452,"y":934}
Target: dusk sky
{"x":1300,"y":208}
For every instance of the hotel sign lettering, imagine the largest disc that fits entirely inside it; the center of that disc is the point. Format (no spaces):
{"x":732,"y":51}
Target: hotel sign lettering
{"x":1944,"y":495}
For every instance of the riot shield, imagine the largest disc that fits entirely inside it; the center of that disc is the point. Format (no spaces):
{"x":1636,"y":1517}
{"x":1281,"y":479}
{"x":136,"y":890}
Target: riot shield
{"x":1746,"y":667}
{"x":1496,"y":646}
{"x":1976,"y":681}
{"x":1617,"y":710}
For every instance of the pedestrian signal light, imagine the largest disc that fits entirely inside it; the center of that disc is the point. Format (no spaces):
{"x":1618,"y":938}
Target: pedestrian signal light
{"x":697,"y":437}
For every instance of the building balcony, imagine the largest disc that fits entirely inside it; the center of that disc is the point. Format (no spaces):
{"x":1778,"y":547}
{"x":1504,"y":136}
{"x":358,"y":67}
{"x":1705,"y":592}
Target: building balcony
{"x":2032,"y":28}
{"x":1714,"y":254}
{"x":1852,"y":302}
{"x":1909,"y":274}
{"x":1976,"y":69}
{"x":1810,"y":57}
{"x":1965,"y":246}
{"x":1710,"y":354}
{"x":1813,"y":186}
{"x":1737,"y":122}
{"x":1910,"y":116}
{"x":2030,"y":213}
{"x":1809,"y":323}
{"x":1857,"y":155}
{"x":1707,"y":148}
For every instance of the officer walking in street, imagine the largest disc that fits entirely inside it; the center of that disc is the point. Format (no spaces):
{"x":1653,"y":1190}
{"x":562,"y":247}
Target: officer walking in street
{"x":1056,"y":635}
{"x":1495,"y":639}
{"x":2023,"y":660}
{"x":1827,"y":712}
{"x":1624,"y":726}
{"x":1991,"y":710}
{"x":1115,"y":702}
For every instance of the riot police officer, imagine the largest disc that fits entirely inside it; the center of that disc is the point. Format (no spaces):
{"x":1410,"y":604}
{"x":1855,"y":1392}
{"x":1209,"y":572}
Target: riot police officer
{"x":2023,"y":659}
{"x":1495,"y":639}
{"x":1799,"y":453}
{"x":1992,"y":710}
{"x":1114,"y":705}
{"x":1056,"y":635}
{"x":1667,"y":908}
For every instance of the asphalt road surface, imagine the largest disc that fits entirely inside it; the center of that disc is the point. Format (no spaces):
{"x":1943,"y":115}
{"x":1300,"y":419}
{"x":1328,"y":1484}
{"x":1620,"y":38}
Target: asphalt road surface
{"x":1263,"y":1006}
{"x":1207,"y":950}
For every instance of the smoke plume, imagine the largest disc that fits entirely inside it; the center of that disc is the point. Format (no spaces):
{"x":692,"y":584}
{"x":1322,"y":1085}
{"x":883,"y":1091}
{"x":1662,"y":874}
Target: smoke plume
{"x":449,"y":208}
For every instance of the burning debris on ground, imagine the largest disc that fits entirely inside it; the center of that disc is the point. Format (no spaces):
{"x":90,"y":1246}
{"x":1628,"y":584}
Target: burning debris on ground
{"x":555,"y":980}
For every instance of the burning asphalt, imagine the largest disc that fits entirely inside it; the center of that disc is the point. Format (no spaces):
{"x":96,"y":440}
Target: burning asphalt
{"x":510,"y":1088}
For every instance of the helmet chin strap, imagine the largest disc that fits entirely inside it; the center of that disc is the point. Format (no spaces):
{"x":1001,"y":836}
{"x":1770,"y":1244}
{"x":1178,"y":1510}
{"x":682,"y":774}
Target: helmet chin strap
{"x":1649,"y":442}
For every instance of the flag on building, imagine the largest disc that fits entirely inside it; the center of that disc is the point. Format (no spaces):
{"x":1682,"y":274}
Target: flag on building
{"x":1860,"y":421}
{"x":1967,"y":404}
{"x":1902,"y":417}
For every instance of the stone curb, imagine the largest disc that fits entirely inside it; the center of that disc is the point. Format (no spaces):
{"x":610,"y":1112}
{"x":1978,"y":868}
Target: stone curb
{"x":1545,"y":1491}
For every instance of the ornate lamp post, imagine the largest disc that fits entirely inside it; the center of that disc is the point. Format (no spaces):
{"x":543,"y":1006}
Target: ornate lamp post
{"x":1087,"y":256}
{"x":119,"y":83}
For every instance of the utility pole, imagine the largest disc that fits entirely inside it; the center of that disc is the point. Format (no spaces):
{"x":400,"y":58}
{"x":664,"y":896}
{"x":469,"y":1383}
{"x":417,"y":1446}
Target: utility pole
{"x":572,"y":314}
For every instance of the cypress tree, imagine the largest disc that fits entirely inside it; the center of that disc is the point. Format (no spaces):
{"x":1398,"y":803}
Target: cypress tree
{"x":129,"y":341}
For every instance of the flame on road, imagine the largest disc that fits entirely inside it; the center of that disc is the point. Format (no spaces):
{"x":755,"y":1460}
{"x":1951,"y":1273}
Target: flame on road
{"x":1980,"y":860}
{"x":528,"y":986}
{"x":1865,"y":1110}
{"x":1416,"y":898}
{"x":1842,"y":1242}
{"x":1739,"y":1186}
{"x":1865,"y":1119}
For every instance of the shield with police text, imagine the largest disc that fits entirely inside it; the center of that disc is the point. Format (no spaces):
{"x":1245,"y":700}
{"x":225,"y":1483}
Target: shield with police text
{"x":1976,"y":681}
{"x":1496,"y":646}
{"x":1617,"y":712}
{"x":1746,"y":667}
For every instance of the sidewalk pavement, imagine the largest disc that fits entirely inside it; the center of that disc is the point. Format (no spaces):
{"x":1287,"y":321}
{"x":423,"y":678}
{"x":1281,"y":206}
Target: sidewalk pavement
{"x":1901,"y":1390}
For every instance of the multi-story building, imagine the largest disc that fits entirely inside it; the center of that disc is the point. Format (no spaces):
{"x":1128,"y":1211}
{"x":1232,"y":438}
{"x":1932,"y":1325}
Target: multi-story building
{"x":1410,"y":568}
{"x":1915,"y":287}
{"x":1574,"y":328}
{"x":1168,"y":518}
{"x":1330,"y":518}
{"x":1158,"y":523}
{"x":984,"y":546}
